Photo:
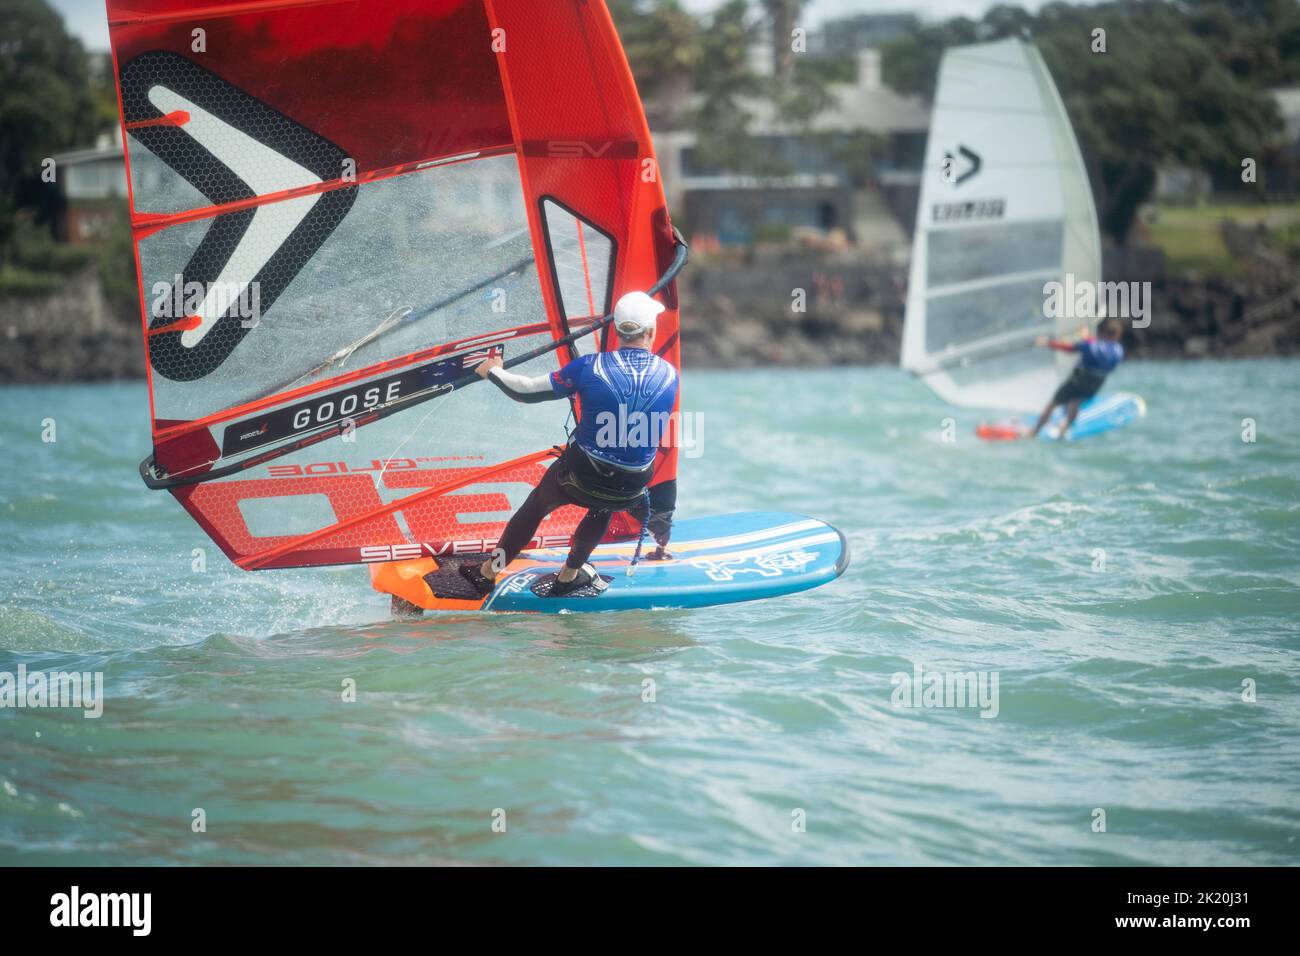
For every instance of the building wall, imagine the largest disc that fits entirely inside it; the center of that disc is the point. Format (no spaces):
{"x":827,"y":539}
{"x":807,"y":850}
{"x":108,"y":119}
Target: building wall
{"x":102,"y":178}
{"x":741,"y":216}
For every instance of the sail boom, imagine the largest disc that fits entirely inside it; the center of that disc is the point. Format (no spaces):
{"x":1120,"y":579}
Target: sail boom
{"x":281,"y":398}
{"x":997,"y":345}
{"x":146,"y":224}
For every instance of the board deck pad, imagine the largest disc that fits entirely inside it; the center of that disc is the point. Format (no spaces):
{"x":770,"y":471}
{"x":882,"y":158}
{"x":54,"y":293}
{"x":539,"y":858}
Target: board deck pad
{"x":542,"y":587}
{"x":447,"y":582}
{"x":1097,"y":415}
{"x":716,"y":560}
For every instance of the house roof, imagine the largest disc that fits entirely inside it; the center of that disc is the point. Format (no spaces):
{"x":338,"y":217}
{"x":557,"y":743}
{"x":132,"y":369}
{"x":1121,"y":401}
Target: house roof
{"x":94,"y":154}
{"x":881,"y":110}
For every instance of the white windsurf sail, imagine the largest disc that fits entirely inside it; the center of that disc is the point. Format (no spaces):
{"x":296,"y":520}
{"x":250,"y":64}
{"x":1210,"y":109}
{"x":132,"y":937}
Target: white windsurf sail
{"x":1005,"y":208}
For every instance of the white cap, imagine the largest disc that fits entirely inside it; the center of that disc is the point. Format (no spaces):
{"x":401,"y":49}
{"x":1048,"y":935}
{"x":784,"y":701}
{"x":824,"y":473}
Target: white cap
{"x":635,"y":314}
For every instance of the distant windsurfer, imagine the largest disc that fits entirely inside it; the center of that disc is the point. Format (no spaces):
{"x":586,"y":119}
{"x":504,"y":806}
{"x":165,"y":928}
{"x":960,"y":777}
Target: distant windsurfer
{"x":1098,"y":357}
{"x":603,"y":469}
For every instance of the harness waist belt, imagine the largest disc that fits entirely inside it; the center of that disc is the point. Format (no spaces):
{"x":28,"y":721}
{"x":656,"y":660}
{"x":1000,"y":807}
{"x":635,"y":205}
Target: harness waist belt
{"x":606,"y":483}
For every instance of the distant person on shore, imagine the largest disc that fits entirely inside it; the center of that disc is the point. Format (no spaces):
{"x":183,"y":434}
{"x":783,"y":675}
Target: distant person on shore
{"x":1098,"y":357}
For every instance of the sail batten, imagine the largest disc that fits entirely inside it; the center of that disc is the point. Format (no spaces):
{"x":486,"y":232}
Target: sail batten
{"x":975,"y":285}
{"x":146,"y":223}
{"x":134,"y":15}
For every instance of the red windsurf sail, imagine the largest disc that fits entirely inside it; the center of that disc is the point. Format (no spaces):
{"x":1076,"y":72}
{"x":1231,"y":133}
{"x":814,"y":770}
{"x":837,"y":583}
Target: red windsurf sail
{"x":340,"y":208}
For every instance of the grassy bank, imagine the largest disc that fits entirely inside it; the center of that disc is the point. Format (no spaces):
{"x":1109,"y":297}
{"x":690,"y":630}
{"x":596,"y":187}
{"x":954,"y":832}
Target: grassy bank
{"x":1192,"y":237}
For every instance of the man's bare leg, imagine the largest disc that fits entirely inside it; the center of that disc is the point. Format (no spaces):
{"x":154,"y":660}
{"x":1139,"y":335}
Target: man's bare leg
{"x":1073,"y":412}
{"x":1042,"y":419}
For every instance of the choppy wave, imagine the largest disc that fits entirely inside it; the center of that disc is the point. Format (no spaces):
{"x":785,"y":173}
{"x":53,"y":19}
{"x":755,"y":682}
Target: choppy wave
{"x":1136,"y":595}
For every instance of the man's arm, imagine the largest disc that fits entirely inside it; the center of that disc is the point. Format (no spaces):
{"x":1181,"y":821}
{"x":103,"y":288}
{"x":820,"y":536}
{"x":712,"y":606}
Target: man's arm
{"x":519,"y":387}
{"x":1043,"y":342}
{"x":1063,"y":345}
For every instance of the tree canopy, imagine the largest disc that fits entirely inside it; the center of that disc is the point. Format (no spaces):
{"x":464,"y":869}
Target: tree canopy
{"x":1179,"y":84}
{"x":47,"y":101}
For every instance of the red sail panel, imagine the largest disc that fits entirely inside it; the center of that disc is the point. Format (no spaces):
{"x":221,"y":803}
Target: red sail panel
{"x":392,"y":83}
{"x":584,"y":144}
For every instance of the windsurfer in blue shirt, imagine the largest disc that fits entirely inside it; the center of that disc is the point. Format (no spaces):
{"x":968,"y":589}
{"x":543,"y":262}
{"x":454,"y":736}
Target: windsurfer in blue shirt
{"x":625,"y":397}
{"x":1098,"y":357}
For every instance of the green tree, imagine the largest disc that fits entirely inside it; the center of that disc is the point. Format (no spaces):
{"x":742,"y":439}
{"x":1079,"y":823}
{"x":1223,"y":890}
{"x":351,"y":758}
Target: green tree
{"x":1178,"y":84}
{"x":803,"y":92}
{"x":1258,"y":40}
{"x":724,"y":80}
{"x":783,"y":15}
{"x":46,"y":100}
{"x":1160,"y":95}
{"x":910,"y":64}
{"x":662,"y":43}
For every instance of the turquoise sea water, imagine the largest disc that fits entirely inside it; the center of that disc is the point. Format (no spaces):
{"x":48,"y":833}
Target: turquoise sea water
{"x":1121,"y":589}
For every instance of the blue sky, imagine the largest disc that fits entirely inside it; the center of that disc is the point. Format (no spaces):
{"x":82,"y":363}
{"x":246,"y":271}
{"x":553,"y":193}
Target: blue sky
{"x":86,"y":18}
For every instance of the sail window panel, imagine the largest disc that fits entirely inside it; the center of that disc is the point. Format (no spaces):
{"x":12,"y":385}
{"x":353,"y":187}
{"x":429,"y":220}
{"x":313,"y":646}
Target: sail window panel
{"x":156,"y":187}
{"x":287,"y":514}
{"x":958,"y":320}
{"x":1007,"y":366}
{"x":437,"y":429}
{"x":419,"y":259}
{"x":582,"y":260}
{"x":976,"y":252}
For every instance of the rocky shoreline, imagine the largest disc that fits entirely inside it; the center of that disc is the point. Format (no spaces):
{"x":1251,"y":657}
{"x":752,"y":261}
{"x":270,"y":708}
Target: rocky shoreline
{"x":745,"y":314}
{"x":775,"y":309}
{"x":74,"y":335}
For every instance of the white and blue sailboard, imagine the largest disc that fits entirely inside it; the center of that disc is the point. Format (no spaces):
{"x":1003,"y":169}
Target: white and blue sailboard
{"x":1101,"y":413}
{"x":722,"y":559}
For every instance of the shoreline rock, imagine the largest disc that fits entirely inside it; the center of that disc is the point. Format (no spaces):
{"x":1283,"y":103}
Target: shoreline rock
{"x":786,"y":308}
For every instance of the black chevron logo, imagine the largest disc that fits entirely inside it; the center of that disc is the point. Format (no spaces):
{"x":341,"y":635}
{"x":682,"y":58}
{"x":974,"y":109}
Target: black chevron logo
{"x":971,"y":157}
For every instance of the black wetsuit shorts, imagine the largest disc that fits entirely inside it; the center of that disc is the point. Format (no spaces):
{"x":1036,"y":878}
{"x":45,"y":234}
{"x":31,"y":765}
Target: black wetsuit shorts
{"x":1082,"y":384}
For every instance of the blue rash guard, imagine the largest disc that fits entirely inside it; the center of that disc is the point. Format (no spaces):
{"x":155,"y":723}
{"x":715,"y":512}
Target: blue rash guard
{"x":1099,"y":355}
{"x":1097,"y":359}
{"x":626,"y":397}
